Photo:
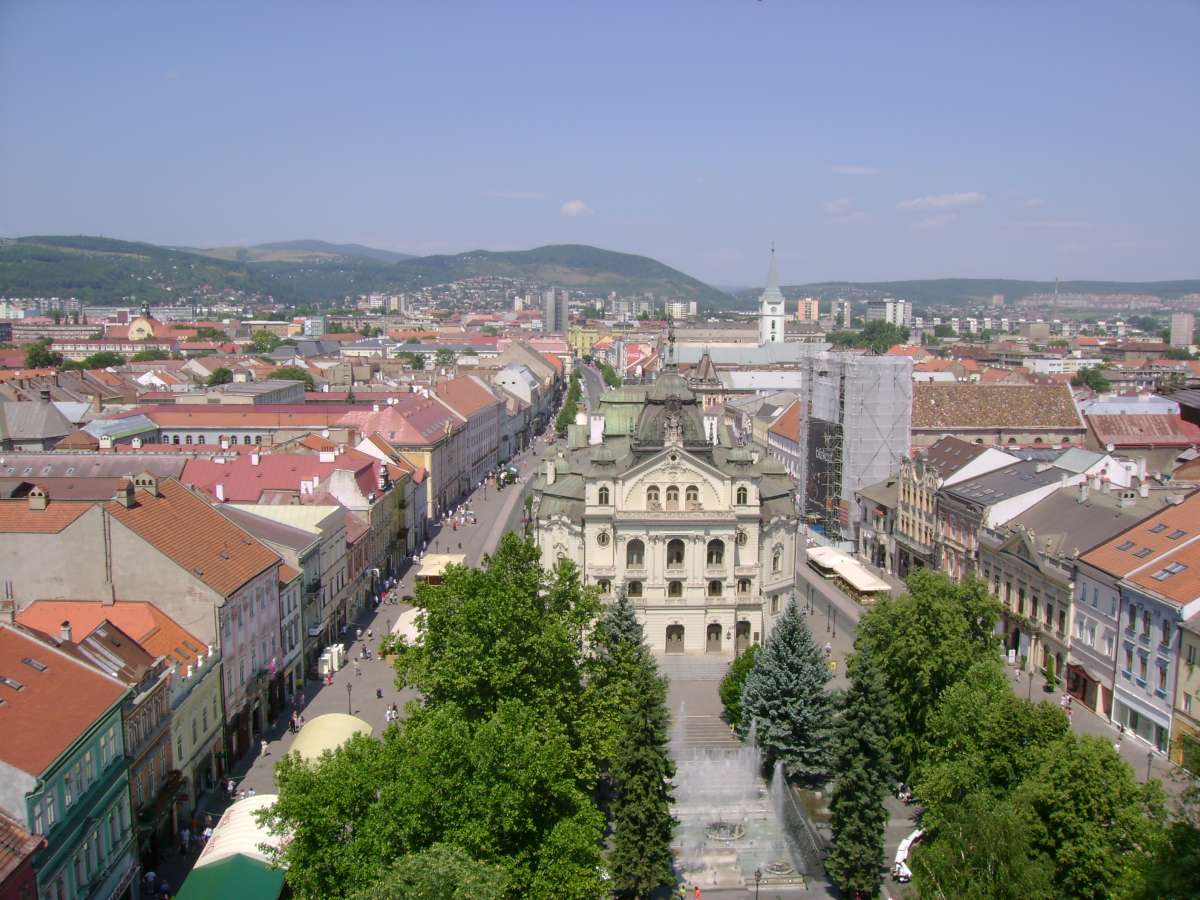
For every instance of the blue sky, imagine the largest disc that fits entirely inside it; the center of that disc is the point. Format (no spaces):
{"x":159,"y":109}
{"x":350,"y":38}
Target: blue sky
{"x":868,"y":140}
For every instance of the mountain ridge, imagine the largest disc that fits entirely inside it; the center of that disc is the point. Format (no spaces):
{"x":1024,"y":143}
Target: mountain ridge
{"x":110,"y":271}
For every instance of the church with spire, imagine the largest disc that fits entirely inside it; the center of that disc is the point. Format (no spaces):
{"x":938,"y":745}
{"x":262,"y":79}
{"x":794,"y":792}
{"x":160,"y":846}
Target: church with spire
{"x":771,"y":308}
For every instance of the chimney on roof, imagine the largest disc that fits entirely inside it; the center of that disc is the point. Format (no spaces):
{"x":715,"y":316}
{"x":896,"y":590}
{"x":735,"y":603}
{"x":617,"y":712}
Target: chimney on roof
{"x":106,"y":442}
{"x":37,"y":498}
{"x":136,"y":443}
{"x":254,"y":459}
{"x":374,"y":407}
{"x":1083,"y":491}
{"x":146,"y":482}
{"x":1141,"y":468}
{"x":1144,"y":489}
{"x":7,"y":611}
{"x":220,"y":492}
{"x":124,"y":494}
{"x":224,"y":443}
{"x":550,"y":471}
{"x":64,"y":632}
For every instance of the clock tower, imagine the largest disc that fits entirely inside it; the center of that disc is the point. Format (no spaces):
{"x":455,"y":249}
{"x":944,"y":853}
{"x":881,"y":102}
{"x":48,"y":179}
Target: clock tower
{"x":771,"y":314}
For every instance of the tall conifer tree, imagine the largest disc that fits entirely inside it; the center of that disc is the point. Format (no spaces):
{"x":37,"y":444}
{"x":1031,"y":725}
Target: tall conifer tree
{"x":641,"y":861}
{"x":864,"y":772}
{"x":786,"y":701}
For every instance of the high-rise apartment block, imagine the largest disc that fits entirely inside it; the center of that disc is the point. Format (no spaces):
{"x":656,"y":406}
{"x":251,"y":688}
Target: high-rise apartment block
{"x":894,"y":312}
{"x":1182,"y":327}
{"x":555,"y":318}
{"x":842,"y":316}
{"x":808,"y":309}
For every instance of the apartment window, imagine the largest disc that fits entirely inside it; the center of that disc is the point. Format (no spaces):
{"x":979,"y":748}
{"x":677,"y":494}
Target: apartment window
{"x":672,"y":497}
{"x":603,"y":496}
{"x":114,"y":831}
{"x":1162,"y":678}
{"x":1109,"y":645}
{"x":1126,"y":546}
{"x":1034,"y":606}
{"x":777,"y":560}
{"x":1166,"y":633}
{"x":742,"y":496}
{"x":1095,"y":597}
{"x":1159,"y":528}
{"x":1142,"y":553}
{"x":605,"y":586}
{"x":1128,"y":660}
{"x":1145,"y":623}
{"x":675,"y":551}
{"x":1176,"y":534}
{"x":179,"y":748}
{"x":674,"y":588}
{"x":1142,"y":666}
{"x":652,"y":496}
{"x":188,"y":439}
{"x":89,"y":769}
{"x":635,"y":589}
{"x":1021,"y":601}
{"x":1187,"y":703}
{"x":714,"y":588}
{"x":775,"y":604}
{"x":716,"y":553}
{"x":1091,"y":634}
{"x":201,"y":439}
{"x":743,"y":586}
{"x":1191,"y":654}
{"x":692,"y":496}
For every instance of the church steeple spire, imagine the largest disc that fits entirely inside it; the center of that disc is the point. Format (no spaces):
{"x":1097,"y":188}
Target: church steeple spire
{"x":770,"y":307}
{"x":773,"y":271}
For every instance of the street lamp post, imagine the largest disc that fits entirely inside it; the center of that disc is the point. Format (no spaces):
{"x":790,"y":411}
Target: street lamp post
{"x":1149,"y":762}
{"x":349,"y":704}
{"x":757,"y":880}
{"x":834,"y":617}
{"x":828,"y":614}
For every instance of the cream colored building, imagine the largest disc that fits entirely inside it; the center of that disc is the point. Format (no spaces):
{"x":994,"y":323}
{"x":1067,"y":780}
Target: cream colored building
{"x":699,"y":533}
{"x":1185,"y":730}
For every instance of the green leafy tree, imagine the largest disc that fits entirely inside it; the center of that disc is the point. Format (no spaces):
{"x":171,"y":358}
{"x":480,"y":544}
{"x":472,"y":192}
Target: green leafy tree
{"x":611,"y":378}
{"x":785,"y":699}
{"x":1051,"y":673}
{"x":103,"y":360}
{"x":150,"y":356}
{"x":863,"y":764}
{"x":208,"y":333}
{"x":263,"y":342}
{"x":1174,"y":870}
{"x":444,"y":357}
{"x":38,"y":355}
{"x":1180,"y":353}
{"x":982,"y":851}
{"x":220,"y":375}
{"x":489,"y":330}
{"x":1092,"y":377}
{"x":415,"y":361}
{"x":293,"y":373}
{"x":982,"y":738}
{"x":412,"y":339}
{"x":924,"y":642}
{"x":1086,"y":813}
{"x":443,"y":872}
{"x":734,"y":682}
{"x":641,"y":862}
{"x":876,"y":335}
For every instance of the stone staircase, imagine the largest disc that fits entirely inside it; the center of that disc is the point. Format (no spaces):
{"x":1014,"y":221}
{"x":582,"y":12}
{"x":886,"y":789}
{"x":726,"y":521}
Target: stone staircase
{"x":679,"y":667}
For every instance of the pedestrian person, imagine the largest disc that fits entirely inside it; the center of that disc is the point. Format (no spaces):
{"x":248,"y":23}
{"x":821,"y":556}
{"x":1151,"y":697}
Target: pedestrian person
{"x":370,"y":633}
{"x":828,"y":648}
{"x":378,"y":693}
{"x":358,"y":634}
{"x":301,"y":720}
{"x":230,"y":788}
{"x":265,"y":748}
{"x":357,"y":670}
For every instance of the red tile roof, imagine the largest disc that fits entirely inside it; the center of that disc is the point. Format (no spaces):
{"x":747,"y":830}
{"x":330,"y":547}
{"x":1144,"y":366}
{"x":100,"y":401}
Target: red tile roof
{"x":54,"y":707}
{"x":1146,"y":535}
{"x":17,"y":518}
{"x":465,"y":395}
{"x":1143,"y":431}
{"x":195,"y":536}
{"x":788,"y":424}
{"x":954,"y":406}
{"x":244,"y":482}
{"x":153,"y":629}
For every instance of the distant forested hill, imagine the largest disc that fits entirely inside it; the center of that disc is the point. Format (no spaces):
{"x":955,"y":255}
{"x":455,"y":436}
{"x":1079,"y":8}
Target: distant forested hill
{"x":102,"y":270}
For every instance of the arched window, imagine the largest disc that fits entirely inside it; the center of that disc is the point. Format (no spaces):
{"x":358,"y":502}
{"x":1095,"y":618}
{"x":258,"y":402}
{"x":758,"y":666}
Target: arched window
{"x":1038,"y":440}
{"x":1012,"y":440}
{"x":652,"y":497}
{"x":672,"y":497}
{"x":716,"y":553}
{"x":603,"y":496}
{"x":634,"y":589}
{"x":692,"y":495}
{"x":635,"y":553}
{"x":674,"y":588}
{"x":605,"y":586}
{"x":742,"y":538}
{"x":777,"y":560}
{"x":714,"y":589}
{"x":743,"y":585}
{"x":675,"y":554}
{"x":743,"y":496}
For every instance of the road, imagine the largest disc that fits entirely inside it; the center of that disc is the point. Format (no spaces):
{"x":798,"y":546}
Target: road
{"x":593,"y":385}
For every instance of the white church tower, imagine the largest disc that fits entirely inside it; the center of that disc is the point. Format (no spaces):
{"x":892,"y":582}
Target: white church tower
{"x":771,"y":304}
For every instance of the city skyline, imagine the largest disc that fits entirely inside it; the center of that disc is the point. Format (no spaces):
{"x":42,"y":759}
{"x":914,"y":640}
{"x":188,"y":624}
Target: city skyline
{"x":891,"y":144}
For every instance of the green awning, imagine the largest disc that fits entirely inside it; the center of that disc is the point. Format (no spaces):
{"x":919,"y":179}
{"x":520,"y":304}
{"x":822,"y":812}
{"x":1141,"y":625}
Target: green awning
{"x":235,"y":876}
